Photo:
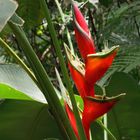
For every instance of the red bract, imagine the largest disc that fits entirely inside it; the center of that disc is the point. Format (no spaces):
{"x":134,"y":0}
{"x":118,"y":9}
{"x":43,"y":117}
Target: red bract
{"x":96,"y":107}
{"x":72,"y":119}
{"x":79,"y":80}
{"x":82,"y":34}
{"x":97,"y":64}
{"x":85,"y":75}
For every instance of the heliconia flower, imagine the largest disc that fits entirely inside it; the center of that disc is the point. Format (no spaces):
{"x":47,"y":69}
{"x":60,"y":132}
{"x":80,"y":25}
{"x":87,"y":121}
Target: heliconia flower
{"x":86,"y":74}
{"x":94,"y":106}
{"x":96,"y":64}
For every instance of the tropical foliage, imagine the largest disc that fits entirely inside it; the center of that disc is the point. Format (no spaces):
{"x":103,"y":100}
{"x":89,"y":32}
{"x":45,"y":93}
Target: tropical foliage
{"x":38,"y":39}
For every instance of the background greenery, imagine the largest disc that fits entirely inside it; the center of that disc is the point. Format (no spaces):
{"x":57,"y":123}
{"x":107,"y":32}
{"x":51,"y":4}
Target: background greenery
{"x":111,"y":22}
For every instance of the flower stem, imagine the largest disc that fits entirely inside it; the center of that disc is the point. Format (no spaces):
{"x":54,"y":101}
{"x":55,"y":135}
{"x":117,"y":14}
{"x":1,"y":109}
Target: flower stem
{"x":63,"y":68}
{"x":106,"y":129}
{"x":105,"y":124}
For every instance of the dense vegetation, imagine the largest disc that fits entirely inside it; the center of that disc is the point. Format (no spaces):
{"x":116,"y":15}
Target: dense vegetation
{"x":23,"y":86}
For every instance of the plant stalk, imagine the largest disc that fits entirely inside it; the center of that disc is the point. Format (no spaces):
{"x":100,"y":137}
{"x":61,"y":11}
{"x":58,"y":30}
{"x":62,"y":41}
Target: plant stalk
{"x":63,"y":68}
{"x":106,"y":129}
{"x":105,"y":124}
{"x":44,"y":82}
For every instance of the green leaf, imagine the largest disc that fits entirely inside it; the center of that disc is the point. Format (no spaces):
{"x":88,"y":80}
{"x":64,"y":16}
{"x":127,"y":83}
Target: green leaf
{"x":6,"y":92}
{"x":79,"y":102}
{"x":14,"y":76}
{"x":26,"y":120}
{"x":7,"y":9}
{"x":124,"y":118}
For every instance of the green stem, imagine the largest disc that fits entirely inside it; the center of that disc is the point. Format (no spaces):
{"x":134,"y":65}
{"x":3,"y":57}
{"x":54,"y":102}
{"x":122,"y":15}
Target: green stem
{"x":64,"y":21}
{"x":105,"y":117}
{"x":106,"y":129}
{"x":44,"y":82}
{"x":64,"y":69}
{"x":105,"y":124}
{"x":16,"y":57}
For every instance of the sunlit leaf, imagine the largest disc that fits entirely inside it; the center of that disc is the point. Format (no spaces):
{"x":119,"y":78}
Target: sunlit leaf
{"x":6,"y":92}
{"x":7,"y":9}
{"x":14,"y":76}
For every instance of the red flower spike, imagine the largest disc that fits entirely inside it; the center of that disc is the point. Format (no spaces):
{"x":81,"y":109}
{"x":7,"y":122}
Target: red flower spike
{"x":96,"y":107}
{"x":97,"y":64}
{"x":86,"y":75}
{"x":72,"y":119}
{"x":82,"y":34}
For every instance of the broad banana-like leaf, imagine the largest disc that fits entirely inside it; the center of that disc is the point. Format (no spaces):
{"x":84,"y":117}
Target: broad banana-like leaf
{"x":14,"y":76}
{"x":26,"y":120}
{"x":123,"y":120}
